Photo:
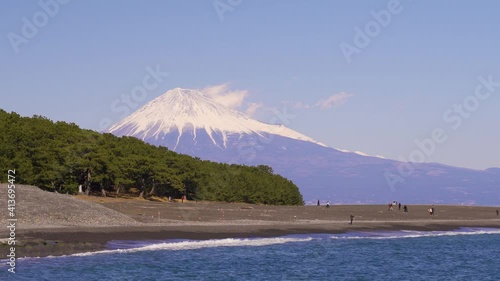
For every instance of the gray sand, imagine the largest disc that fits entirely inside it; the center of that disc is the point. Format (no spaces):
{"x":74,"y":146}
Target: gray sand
{"x":58,"y":224}
{"x":40,"y":209}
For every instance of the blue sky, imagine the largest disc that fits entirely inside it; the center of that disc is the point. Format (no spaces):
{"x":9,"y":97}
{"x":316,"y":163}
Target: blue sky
{"x":394,"y":90}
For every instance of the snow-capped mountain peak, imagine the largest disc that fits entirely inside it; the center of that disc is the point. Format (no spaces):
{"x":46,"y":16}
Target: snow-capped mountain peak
{"x":190,"y":123}
{"x":185,"y":110}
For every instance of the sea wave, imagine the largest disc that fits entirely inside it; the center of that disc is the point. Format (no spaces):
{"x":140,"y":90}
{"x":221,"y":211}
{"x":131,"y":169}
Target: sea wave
{"x":194,"y":245}
{"x":406,"y":234}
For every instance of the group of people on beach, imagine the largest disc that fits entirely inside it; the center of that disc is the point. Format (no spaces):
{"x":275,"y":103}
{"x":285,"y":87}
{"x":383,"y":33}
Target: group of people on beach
{"x":395,"y":204}
{"x":328,"y":206}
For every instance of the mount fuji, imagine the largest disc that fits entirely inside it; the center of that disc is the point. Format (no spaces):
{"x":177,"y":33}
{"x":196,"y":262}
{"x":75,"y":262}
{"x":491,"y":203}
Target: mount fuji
{"x":188,"y":122}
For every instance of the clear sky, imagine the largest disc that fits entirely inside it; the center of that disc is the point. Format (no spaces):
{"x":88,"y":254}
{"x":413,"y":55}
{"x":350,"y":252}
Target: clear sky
{"x":353,"y":78}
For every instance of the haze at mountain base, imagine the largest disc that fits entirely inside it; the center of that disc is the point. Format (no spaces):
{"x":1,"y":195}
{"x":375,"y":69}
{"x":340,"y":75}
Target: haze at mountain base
{"x":188,"y":122}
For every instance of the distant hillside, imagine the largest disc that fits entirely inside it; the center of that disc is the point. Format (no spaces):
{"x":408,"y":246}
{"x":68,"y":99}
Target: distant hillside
{"x":61,"y":157}
{"x":187,"y":122}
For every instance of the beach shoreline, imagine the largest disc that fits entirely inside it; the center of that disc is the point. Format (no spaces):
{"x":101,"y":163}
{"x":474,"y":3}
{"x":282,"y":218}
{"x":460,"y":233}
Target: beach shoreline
{"x":73,"y":240}
{"x":50,"y":224}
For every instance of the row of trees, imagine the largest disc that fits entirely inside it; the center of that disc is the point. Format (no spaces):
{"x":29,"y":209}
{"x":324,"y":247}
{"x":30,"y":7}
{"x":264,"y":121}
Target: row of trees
{"x":62,"y":157}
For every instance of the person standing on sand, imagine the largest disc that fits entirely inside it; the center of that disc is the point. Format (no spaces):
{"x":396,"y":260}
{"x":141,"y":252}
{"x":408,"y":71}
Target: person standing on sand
{"x":399,"y":206}
{"x":352,"y":218}
{"x":318,"y":203}
{"x":497,"y":212}
{"x":328,"y":204}
{"x":405,"y":209}
{"x":432,"y":210}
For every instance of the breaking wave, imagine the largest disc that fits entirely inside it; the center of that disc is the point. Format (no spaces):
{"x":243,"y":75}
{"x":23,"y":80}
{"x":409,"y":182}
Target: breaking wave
{"x":193,"y":245}
{"x":405,"y":234}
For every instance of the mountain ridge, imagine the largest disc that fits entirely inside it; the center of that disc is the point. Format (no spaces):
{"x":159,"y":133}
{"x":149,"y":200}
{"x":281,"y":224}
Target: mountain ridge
{"x":190,"y":111}
{"x":321,"y":172}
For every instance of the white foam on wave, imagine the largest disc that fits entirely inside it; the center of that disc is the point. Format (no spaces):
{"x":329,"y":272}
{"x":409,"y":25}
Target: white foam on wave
{"x":194,"y":245}
{"x":405,"y":234}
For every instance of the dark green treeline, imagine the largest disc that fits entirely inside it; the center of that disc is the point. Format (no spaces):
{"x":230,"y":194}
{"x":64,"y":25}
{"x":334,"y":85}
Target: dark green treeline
{"x":61,"y":157}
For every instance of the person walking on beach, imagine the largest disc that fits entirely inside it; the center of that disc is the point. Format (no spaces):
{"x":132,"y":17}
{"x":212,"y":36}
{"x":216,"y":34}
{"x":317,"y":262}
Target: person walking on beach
{"x":399,"y":206}
{"x":431,"y":211}
{"x":318,"y":203}
{"x":328,"y":204}
{"x":405,"y":209}
{"x":497,"y":212}
{"x":352,"y":218}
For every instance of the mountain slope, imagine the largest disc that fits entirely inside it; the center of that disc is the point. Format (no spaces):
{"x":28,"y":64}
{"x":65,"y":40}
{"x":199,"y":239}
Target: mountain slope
{"x":182,"y":110}
{"x":64,"y":158}
{"x":188,"y":122}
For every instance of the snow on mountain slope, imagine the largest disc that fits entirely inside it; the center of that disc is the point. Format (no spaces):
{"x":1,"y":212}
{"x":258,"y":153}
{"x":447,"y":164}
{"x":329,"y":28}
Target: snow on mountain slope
{"x":188,"y":122}
{"x":183,"y":110}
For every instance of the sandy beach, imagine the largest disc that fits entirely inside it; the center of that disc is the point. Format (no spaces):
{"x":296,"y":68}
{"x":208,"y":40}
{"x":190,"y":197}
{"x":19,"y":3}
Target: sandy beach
{"x":60,"y":224}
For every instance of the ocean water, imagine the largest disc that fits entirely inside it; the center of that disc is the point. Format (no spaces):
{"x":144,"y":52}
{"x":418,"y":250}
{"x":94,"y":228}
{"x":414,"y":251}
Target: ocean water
{"x":465,"y":254}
